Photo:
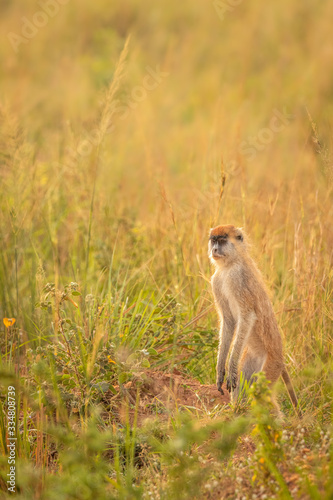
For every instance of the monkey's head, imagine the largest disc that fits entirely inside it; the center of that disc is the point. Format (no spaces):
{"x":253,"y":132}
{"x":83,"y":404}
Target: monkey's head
{"x":226,"y":243}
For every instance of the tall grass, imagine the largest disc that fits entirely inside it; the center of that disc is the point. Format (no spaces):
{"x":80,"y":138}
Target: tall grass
{"x":107,"y":194}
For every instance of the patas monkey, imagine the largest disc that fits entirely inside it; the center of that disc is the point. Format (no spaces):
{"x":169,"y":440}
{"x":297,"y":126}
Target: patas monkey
{"x":249,"y":328}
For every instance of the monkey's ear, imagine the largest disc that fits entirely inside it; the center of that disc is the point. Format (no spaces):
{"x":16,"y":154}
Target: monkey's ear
{"x":239,"y":234}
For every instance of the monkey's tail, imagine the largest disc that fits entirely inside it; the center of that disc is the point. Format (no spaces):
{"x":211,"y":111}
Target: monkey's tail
{"x":291,"y":391}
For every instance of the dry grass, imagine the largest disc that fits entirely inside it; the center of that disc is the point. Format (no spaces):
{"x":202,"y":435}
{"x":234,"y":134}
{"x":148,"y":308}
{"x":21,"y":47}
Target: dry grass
{"x":112,"y":174}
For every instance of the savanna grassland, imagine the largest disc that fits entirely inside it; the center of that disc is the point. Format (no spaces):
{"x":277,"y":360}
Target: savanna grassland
{"x":127,"y":130}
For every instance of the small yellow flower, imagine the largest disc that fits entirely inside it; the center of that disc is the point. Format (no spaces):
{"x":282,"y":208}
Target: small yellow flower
{"x":111,"y":360}
{"x":8,"y":322}
{"x":262,"y":460}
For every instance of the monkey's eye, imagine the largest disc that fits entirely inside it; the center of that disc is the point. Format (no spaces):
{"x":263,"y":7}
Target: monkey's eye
{"x":239,"y":237}
{"x":217,"y":239}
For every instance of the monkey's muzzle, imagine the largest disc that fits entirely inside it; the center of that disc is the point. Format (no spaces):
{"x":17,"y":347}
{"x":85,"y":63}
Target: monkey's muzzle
{"x":217,"y":255}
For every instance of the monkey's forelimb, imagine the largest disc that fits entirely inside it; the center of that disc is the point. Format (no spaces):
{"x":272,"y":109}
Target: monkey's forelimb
{"x":226,"y":336}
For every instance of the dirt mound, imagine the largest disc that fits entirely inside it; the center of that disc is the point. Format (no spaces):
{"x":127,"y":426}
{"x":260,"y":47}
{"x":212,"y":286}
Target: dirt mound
{"x":161,"y":393}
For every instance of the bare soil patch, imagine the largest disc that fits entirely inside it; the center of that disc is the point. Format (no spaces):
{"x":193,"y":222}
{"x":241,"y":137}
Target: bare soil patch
{"x":161,"y":393}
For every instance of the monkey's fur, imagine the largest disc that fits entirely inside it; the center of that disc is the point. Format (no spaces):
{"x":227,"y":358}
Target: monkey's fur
{"x":249,"y":328}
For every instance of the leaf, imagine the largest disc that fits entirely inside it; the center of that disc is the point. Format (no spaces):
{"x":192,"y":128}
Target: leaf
{"x":132,"y":358}
{"x":152,"y":351}
{"x":76,"y":293}
{"x":145,"y":363}
{"x":8,"y":322}
{"x":102,"y":386}
{"x":112,"y":389}
{"x":124,"y":377}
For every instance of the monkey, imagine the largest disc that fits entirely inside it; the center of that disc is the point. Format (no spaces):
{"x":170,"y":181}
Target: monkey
{"x":249,"y":332}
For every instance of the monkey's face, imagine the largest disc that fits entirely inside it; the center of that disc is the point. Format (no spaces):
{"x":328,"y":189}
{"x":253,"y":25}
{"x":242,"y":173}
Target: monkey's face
{"x":225,"y":244}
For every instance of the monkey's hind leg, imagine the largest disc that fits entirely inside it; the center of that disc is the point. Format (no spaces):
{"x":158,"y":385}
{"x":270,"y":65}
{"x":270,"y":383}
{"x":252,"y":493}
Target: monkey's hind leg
{"x":273,"y":369}
{"x":250,"y":364}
